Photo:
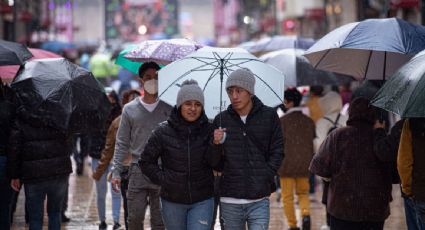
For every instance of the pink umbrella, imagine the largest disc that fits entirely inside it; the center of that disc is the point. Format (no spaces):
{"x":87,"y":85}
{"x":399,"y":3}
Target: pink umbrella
{"x":162,"y":51}
{"x":8,"y":72}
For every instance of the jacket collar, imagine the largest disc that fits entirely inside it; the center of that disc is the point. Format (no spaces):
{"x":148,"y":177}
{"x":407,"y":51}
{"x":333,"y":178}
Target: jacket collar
{"x":256,"y":106}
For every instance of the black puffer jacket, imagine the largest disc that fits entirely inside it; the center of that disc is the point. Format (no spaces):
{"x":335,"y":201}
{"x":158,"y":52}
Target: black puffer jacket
{"x":38,"y":152}
{"x":253,"y":152}
{"x":7,"y":114}
{"x":186,"y":176}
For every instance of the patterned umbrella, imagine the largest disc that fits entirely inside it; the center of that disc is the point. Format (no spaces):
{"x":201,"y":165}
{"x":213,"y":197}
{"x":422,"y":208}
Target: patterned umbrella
{"x":162,"y":51}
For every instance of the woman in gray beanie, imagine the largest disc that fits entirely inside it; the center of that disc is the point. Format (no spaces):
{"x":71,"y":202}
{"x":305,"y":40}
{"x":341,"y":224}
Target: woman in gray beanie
{"x":186,"y":176}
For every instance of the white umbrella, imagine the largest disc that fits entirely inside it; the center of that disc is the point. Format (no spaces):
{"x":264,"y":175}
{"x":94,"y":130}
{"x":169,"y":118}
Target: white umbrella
{"x":210,"y":67}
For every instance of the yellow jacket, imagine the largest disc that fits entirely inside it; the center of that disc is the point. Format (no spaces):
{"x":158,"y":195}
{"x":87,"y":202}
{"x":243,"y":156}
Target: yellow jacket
{"x":405,"y":159}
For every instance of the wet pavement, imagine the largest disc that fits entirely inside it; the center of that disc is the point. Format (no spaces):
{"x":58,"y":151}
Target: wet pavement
{"x":83,"y":213}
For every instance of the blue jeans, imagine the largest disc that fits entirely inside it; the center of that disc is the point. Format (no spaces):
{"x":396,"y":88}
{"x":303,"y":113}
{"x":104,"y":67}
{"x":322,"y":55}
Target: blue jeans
{"x":35,"y":194}
{"x":6,"y":193}
{"x":236,"y":216}
{"x":420,"y":213}
{"x":411,"y":217}
{"x":101,"y":189}
{"x":197,"y":216}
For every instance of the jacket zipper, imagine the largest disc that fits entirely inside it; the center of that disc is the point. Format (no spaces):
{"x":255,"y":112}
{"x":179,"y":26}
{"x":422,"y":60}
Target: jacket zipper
{"x":188,"y":164}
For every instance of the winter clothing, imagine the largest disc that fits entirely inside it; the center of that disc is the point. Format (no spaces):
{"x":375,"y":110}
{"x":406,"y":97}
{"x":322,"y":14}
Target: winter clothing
{"x":7,"y":114}
{"x":185,"y":167}
{"x":108,"y":151}
{"x":97,"y":139}
{"x":243,"y":78}
{"x":135,"y":127}
{"x":313,"y":106}
{"x":411,"y":158}
{"x":360,"y":186}
{"x":253,"y":152}
{"x":38,"y":153}
{"x":190,"y":91}
{"x":298,"y":135}
{"x":331,"y":105}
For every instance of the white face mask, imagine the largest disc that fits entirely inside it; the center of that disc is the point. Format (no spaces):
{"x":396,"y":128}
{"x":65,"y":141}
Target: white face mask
{"x":151,"y":86}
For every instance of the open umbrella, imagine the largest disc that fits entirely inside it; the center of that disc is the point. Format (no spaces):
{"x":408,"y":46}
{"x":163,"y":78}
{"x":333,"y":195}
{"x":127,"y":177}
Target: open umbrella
{"x":12,"y":53}
{"x":372,"y":49}
{"x":211,"y":67}
{"x":133,"y":66}
{"x":9,"y":71}
{"x":299,"y":72}
{"x":61,"y":94}
{"x":403,"y":93}
{"x":162,"y":51}
{"x":57,"y":46}
{"x":278,"y":42}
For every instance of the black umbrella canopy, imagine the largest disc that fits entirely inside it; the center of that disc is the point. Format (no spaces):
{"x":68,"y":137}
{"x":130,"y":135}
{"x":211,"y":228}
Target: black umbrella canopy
{"x":404,"y":93}
{"x":61,"y":94}
{"x":12,"y":53}
{"x":372,"y":49}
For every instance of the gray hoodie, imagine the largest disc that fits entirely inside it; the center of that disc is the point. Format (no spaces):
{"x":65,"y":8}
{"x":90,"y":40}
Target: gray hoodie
{"x":135,"y":127}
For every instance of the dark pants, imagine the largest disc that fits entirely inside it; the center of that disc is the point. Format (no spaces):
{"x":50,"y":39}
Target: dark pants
{"x":36,"y":193}
{"x":411,"y":217}
{"x":420,"y":212}
{"x":124,"y":188}
{"x":338,"y":224}
{"x":6,"y":193}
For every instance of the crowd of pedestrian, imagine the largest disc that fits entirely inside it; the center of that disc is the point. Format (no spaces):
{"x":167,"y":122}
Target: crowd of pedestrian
{"x":189,"y":169}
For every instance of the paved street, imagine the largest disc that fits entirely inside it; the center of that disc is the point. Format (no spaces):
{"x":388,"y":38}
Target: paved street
{"x":83,"y":213}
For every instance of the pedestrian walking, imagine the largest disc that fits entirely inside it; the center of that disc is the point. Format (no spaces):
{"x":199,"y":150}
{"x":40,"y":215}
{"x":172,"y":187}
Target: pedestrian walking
{"x":298,"y":135}
{"x":312,"y":102}
{"x":39,"y":158}
{"x":360,"y":184}
{"x":410,"y":164}
{"x":249,"y":141}
{"x":185,"y":175}
{"x":139,"y":118}
{"x":7,"y":114}
{"x":103,"y":166}
{"x":97,"y":140}
{"x":331,"y":105}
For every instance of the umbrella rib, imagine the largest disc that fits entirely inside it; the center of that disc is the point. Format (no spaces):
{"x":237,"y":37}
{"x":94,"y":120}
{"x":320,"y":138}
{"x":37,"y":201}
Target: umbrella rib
{"x":321,"y":59}
{"x":213,"y":74}
{"x":367,"y":65}
{"x":271,"y":89}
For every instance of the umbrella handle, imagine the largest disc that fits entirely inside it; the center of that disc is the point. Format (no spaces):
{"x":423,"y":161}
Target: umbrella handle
{"x":223,"y":138}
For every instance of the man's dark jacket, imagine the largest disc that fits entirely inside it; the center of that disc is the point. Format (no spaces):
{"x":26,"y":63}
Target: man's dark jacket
{"x":38,"y":152}
{"x":252,"y":152}
{"x":186,"y":176}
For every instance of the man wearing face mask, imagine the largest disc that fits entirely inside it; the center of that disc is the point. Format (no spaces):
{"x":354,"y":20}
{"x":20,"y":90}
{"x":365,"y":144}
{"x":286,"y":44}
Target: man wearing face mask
{"x":138,"y":119}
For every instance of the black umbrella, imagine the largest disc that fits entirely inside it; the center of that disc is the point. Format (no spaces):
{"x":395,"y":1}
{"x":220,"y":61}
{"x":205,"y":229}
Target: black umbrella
{"x":62,"y":95}
{"x":299,"y":72}
{"x":404,"y":93}
{"x":12,"y":53}
{"x":372,"y":49}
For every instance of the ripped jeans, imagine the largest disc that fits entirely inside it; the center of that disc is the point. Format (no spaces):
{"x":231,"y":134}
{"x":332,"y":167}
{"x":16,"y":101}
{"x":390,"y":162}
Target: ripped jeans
{"x":197,"y":216}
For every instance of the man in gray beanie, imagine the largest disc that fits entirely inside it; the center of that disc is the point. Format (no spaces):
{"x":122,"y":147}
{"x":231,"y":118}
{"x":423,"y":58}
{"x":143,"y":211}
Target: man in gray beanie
{"x":250,"y":145}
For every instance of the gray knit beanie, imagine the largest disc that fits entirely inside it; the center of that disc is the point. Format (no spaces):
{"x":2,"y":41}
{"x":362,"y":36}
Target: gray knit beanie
{"x":243,"y":78}
{"x":190,"y":90}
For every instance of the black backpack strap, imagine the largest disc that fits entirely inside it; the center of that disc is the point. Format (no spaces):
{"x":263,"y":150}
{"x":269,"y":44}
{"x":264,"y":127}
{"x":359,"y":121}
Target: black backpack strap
{"x":334,"y":123}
